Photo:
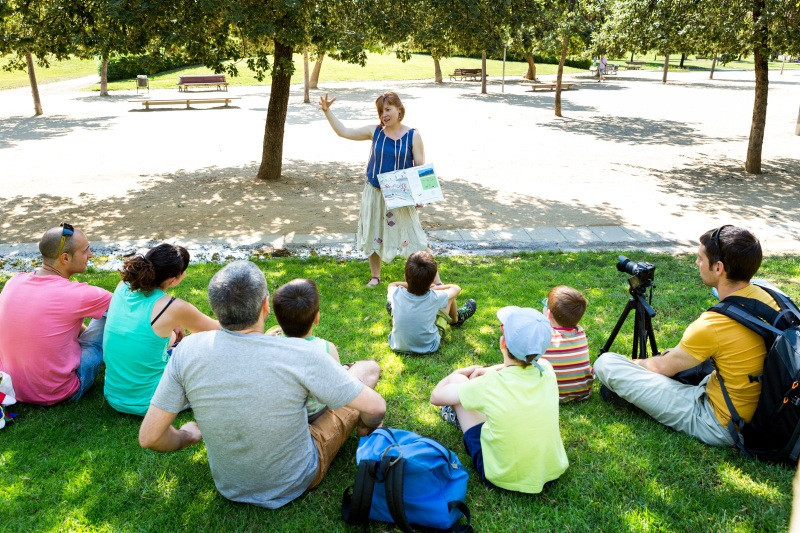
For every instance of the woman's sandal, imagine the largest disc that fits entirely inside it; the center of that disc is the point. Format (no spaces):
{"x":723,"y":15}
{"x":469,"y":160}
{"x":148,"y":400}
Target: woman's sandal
{"x":377,"y":281}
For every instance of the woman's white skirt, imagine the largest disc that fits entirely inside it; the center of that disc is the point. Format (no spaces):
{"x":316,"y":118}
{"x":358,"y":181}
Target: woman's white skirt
{"x":388,"y":233}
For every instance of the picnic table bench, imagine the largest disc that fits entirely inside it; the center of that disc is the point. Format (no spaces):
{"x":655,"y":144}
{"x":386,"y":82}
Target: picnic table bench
{"x":611,"y":68}
{"x":634,"y":65}
{"x":552,"y":86}
{"x":202,"y":80}
{"x":463,"y":73}
{"x":147,"y":102}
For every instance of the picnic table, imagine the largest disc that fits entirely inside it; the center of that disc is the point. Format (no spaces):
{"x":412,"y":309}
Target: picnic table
{"x":464,"y":73}
{"x":634,"y":65}
{"x":147,"y":102}
{"x":202,"y":80}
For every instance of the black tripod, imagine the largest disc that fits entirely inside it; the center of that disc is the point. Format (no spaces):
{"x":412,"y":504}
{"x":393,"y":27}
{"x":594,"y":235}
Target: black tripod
{"x":642,"y":324}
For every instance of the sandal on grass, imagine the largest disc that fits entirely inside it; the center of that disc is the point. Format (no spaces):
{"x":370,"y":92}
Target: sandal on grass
{"x":374,"y":280}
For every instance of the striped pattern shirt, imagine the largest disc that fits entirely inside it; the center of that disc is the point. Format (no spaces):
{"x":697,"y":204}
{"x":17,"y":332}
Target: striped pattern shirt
{"x":569,"y":355}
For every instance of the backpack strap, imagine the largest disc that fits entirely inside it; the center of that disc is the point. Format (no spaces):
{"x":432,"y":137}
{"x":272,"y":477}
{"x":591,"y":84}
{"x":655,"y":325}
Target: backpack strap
{"x":357,"y":499}
{"x":749,"y":312}
{"x":785,"y":303}
{"x":394,"y":469}
{"x":735,"y":424}
{"x":461,"y":506}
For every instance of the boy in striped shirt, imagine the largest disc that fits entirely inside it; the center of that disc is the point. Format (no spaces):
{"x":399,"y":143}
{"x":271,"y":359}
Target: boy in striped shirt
{"x":568,"y":351}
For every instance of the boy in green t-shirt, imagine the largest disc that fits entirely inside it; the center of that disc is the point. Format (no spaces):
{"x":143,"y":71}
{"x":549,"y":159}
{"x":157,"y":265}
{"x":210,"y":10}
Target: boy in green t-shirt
{"x":296,"y":306}
{"x":509,"y":412}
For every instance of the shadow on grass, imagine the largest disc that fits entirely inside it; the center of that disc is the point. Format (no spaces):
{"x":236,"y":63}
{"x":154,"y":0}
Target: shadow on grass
{"x":18,"y":129}
{"x":327,"y":196}
{"x":79,"y":465}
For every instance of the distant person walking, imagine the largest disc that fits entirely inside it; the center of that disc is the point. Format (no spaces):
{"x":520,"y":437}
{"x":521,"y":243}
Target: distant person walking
{"x":601,"y":67}
{"x":383,"y":234}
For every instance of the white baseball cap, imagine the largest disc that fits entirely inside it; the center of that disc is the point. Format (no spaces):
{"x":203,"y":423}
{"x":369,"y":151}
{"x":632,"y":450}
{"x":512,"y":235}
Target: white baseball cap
{"x":526,"y":330}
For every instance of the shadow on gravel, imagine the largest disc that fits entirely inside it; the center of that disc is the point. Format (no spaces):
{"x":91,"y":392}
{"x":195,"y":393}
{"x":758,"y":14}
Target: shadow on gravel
{"x":637,"y":130}
{"x":728,"y":191}
{"x":17,"y":129}
{"x":227,"y":202}
{"x":536,"y":99}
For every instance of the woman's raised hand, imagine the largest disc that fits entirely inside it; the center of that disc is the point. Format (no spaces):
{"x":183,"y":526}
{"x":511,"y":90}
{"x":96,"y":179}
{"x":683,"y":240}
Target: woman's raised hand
{"x":324,"y":103}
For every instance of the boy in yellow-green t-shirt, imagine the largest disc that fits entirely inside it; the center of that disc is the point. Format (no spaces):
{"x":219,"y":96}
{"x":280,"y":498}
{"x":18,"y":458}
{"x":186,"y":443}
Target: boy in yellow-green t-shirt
{"x":509,"y":412}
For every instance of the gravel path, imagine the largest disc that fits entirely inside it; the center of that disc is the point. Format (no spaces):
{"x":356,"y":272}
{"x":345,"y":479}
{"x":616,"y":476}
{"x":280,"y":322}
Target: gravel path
{"x":629,"y":152}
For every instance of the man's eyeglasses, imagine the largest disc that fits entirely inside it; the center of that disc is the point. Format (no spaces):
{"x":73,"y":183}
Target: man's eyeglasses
{"x":715,"y":238}
{"x":67,"y":231}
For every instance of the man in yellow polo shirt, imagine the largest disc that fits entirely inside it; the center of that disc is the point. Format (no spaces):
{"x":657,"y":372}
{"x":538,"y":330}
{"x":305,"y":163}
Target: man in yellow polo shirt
{"x":727,"y":258}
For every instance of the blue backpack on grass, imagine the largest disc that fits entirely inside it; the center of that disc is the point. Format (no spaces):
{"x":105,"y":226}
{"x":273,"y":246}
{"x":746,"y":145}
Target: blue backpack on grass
{"x":407,"y":479}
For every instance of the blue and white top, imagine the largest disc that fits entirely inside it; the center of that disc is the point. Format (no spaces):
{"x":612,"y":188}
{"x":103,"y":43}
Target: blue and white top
{"x":387,"y":154}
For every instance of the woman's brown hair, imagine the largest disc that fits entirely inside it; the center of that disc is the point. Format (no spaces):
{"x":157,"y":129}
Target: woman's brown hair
{"x":390,"y":98}
{"x":147,"y":272}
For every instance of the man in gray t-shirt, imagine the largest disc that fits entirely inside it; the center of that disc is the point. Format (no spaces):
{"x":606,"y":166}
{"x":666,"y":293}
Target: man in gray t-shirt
{"x":248,"y":394}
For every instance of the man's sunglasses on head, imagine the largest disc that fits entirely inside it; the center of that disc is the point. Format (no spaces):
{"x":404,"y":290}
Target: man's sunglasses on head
{"x":66,"y":231}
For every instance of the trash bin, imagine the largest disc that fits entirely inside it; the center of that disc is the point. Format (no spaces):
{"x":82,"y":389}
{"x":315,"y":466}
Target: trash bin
{"x":142,"y":82}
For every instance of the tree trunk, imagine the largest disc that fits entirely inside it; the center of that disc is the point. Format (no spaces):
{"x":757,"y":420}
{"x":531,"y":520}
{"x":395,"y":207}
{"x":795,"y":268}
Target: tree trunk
{"x":797,"y":129}
{"x":437,"y":70}
{"x":531,"y":74}
{"x":631,"y":57}
{"x":37,"y":102}
{"x":760,"y":60}
{"x":104,"y":78}
{"x":666,"y":68}
{"x":561,"y":61}
{"x":306,"y":97}
{"x":483,"y":72}
{"x":272,"y":154}
{"x":683,"y":58}
{"x":713,"y":66}
{"x":315,"y":72}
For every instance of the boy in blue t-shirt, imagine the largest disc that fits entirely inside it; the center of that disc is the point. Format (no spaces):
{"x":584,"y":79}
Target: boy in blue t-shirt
{"x":509,"y":412}
{"x":421,"y":312}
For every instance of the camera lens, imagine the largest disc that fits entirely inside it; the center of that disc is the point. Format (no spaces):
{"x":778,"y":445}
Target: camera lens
{"x":623,"y":264}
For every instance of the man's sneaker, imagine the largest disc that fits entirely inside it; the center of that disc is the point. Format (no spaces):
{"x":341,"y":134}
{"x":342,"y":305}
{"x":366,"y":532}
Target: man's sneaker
{"x":613,"y":398}
{"x":449,"y":416}
{"x":466,"y":311}
{"x":389,"y":307}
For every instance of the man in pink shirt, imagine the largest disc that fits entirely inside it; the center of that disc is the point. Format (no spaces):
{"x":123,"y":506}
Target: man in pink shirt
{"x":44,"y":346}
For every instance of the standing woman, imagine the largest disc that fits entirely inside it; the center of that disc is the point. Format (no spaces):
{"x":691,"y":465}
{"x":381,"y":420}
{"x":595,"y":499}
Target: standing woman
{"x":383,"y":234}
{"x":143,"y":322}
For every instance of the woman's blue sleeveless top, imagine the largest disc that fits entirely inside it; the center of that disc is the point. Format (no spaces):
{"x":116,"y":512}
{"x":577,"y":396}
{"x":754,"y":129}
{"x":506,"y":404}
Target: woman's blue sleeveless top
{"x":387,"y":154}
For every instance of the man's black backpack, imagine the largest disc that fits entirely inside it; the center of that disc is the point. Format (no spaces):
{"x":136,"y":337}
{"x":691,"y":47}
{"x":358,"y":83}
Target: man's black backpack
{"x":773,"y":434}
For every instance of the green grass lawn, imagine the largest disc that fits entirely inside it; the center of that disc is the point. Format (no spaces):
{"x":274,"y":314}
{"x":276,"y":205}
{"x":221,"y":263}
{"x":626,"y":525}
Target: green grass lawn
{"x":58,"y":71}
{"x":79,"y":466}
{"x":378,"y":67}
{"x":692,"y":62}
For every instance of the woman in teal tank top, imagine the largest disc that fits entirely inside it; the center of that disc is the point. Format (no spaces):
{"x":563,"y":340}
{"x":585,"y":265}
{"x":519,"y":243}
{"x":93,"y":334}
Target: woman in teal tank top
{"x":143,"y":322}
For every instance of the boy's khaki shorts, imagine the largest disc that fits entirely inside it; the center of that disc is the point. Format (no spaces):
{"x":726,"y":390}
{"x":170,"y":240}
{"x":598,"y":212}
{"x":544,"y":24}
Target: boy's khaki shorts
{"x":330,"y":431}
{"x":443,"y":322}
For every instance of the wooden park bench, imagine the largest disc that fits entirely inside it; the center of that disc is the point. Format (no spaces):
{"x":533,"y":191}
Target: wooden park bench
{"x":202,"y":80}
{"x":464,"y":73}
{"x":634,"y":65}
{"x":147,"y":102}
{"x":552,"y":86}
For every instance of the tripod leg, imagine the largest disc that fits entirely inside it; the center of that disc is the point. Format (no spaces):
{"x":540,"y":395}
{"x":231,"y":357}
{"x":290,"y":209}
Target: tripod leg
{"x":628,"y":307}
{"x":651,"y":335}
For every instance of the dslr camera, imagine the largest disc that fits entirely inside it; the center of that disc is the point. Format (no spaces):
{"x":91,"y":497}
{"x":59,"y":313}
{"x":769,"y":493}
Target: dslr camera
{"x":642,"y":274}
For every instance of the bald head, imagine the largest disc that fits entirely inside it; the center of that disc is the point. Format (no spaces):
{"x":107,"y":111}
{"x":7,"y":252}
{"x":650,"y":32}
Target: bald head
{"x":48,"y":244}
